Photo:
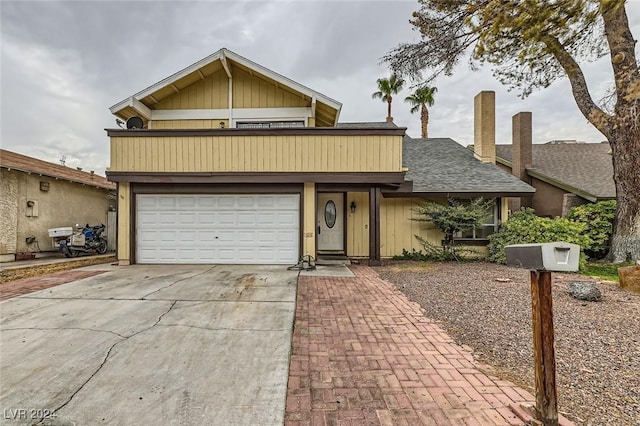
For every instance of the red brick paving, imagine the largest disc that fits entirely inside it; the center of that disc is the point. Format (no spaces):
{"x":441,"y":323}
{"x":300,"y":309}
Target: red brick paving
{"x":29,"y":285}
{"x":363,"y":354}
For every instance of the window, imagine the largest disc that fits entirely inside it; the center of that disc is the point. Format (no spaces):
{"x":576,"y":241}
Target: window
{"x":269,"y":124}
{"x":488,"y":227}
{"x":330,"y":214}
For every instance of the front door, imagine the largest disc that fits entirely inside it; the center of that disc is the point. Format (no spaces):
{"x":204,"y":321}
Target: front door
{"x":330,"y":221}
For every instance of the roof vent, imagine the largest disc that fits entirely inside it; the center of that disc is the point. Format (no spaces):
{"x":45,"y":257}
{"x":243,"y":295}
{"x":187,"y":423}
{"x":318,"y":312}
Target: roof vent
{"x":134,"y":122}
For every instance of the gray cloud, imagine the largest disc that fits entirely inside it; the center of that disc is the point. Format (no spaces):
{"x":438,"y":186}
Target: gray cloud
{"x":64,"y":63}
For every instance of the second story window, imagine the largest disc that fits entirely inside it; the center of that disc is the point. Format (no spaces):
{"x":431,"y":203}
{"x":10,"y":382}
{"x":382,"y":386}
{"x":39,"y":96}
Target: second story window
{"x":268,"y":124}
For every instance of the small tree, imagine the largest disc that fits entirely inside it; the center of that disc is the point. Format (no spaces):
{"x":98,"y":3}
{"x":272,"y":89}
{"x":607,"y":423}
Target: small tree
{"x":451,"y":218}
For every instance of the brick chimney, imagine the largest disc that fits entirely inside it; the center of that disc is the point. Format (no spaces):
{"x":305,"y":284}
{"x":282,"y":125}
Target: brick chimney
{"x":484,"y":126}
{"x":521,"y":152}
{"x":521,"y":137}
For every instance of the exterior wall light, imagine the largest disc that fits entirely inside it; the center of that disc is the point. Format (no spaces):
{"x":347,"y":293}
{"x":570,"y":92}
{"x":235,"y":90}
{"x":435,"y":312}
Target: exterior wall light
{"x":353,"y":207}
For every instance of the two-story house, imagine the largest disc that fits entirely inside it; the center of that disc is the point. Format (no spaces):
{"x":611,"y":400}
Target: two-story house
{"x":227,"y":161}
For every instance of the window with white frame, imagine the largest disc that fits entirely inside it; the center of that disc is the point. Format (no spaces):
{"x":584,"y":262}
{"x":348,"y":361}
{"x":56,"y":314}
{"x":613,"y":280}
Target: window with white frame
{"x":489,"y":225}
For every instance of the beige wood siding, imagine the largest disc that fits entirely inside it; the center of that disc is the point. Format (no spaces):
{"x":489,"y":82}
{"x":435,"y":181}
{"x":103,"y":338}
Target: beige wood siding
{"x":210,"y":93}
{"x":124,"y":223}
{"x":250,"y":91}
{"x":397,"y":230}
{"x":308,"y":153}
{"x":358,"y":225}
{"x":309,"y":220}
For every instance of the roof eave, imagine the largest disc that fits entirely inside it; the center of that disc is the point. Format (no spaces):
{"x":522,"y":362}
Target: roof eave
{"x":547,"y":179}
{"x":224,"y":53}
{"x":53,"y":176}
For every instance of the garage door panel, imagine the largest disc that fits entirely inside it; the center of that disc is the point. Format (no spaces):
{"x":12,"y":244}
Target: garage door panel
{"x":206,"y":218}
{"x":221,"y":228}
{"x":206,"y":202}
{"x":164,"y":203}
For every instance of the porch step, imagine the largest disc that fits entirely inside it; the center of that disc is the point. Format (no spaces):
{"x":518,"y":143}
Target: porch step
{"x":325,"y":259}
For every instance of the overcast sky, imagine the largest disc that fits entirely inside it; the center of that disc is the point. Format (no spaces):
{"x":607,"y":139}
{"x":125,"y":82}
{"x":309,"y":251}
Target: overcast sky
{"x":63,"y":64}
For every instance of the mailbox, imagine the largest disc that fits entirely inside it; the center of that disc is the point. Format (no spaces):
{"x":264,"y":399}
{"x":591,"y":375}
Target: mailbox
{"x":558,"y":256}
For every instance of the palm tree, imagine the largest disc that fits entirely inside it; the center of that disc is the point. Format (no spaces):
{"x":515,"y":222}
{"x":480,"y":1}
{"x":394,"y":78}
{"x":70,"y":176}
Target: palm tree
{"x":386,"y":88}
{"x":422,"y":97}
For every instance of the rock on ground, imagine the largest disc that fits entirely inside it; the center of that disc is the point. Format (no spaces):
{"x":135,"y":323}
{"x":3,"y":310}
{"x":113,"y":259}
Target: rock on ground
{"x":585,"y":291}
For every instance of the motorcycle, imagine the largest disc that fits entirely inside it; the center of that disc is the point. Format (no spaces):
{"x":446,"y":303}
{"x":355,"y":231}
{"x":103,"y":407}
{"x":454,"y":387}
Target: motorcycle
{"x":89,"y":238}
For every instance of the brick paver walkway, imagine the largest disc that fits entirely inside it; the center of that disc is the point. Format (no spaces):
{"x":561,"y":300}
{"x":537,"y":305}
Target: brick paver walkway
{"x":29,"y":285}
{"x":363,"y":354}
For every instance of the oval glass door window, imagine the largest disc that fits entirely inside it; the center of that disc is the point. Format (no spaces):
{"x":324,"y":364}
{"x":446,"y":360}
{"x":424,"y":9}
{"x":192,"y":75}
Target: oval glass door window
{"x":330,"y":214}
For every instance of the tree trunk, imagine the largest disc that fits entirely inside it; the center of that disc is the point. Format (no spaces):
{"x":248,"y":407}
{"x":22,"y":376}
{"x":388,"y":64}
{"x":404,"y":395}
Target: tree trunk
{"x":625,"y":144}
{"x":389,"y":117}
{"x":424,"y":117}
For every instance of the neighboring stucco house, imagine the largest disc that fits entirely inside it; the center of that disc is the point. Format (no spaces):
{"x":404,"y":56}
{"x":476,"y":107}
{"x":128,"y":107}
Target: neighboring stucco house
{"x":564,"y":173}
{"x":37,"y":195}
{"x":237,"y":164}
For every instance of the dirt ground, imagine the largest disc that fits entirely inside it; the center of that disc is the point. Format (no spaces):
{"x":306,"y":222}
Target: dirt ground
{"x":13,"y":274}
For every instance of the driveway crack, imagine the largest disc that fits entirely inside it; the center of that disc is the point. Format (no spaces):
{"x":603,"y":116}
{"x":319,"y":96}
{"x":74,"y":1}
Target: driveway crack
{"x":224,"y":328}
{"x":64,"y":328}
{"x":178,"y":281}
{"x":106,"y":358}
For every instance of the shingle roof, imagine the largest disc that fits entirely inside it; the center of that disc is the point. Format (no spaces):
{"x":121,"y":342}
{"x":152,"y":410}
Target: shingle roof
{"x":586,"y":167}
{"x":15,"y":161}
{"x":441,"y":165}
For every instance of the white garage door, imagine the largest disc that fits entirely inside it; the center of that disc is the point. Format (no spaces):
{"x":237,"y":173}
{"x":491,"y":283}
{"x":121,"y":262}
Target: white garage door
{"x":232,"y":229}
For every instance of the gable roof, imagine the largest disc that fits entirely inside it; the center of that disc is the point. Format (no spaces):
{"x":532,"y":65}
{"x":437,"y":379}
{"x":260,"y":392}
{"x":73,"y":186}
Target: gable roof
{"x":585,"y":169}
{"x":143,"y":101}
{"x":442,"y":166}
{"x":14,"y":161}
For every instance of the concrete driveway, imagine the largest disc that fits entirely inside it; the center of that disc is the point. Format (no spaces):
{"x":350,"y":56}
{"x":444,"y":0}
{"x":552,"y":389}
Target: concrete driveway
{"x":184,"y":345}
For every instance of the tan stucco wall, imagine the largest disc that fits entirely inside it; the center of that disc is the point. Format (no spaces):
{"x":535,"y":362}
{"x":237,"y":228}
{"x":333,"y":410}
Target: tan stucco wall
{"x":8,"y":211}
{"x":65,"y":204}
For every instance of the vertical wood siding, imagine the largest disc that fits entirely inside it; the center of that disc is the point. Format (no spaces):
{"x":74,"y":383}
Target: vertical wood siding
{"x":358,"y":225}
{"x":309,"y":221}
{"x":308,"y":153}
{"x":210,"y":93}
{"x":397,"y":230}
{"x":124,"y":223}
{"x":250,"y":91}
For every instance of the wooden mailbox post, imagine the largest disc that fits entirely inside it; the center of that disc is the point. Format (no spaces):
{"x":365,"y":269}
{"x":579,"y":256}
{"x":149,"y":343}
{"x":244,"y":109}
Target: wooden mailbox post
{"x":541,"y":259}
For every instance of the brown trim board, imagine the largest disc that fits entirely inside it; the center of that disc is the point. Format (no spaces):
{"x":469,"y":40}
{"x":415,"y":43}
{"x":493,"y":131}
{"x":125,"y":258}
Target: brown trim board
{"x":378,"y":178}
{"x":294,"y":131}
{"x":391,"y":194}
{"x":160,"y":188}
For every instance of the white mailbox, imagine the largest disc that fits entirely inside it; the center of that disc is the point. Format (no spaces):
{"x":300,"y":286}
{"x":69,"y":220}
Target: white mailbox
{"x":558,"y":256}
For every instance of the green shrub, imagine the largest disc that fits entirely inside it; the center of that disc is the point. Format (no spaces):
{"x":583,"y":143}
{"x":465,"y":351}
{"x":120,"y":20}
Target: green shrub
{"x":524,"y":227}
{"x":411,"y":255}
{"x":451,"y":218}
{"x":598,"y":217}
